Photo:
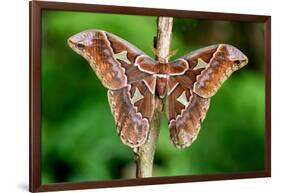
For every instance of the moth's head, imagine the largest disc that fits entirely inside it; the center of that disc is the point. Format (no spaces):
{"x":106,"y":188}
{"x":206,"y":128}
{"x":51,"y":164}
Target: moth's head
{"x":82,"y":43}
{"x":236,"y":56}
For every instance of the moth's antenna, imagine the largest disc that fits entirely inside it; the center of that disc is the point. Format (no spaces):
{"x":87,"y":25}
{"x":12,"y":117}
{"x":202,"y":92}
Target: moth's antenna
{"x":173,"y":52}
{"x":154,"y":50}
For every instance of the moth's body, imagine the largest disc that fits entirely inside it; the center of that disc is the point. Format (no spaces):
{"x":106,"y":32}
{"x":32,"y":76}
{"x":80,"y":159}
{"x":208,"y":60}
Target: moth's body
{"x":134,"y":80}
{"x":162,"y":72}
{"x":161,"y":87}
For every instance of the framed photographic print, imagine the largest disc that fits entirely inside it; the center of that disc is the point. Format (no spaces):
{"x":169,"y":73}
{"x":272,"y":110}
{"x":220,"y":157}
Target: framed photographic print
{"x":123,"y":96}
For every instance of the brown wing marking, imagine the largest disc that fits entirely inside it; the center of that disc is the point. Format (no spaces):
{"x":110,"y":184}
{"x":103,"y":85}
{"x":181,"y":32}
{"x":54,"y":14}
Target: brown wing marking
{"x":177,"y":101}
{"x":146,"y":103}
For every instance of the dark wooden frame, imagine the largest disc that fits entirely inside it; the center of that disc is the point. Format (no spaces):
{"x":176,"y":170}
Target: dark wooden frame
{"x":36,"y":8}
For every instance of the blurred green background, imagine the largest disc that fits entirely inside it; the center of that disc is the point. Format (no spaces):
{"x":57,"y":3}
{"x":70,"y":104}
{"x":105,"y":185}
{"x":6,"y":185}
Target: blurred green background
{"x":79,"y":138}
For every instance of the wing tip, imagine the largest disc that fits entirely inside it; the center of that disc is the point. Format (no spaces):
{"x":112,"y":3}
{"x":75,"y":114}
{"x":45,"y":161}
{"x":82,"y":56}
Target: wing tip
{"x":182,"y":138}
{"x":181,"y":144}
{"x":140,"y":141}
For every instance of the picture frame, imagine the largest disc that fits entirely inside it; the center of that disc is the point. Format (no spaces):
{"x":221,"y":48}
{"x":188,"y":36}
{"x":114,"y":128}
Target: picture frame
{"x":36,"y":8}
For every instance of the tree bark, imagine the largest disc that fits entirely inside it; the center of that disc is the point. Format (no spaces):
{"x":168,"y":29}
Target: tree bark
{"x":164,"y":37}
{"x":144,"y":155}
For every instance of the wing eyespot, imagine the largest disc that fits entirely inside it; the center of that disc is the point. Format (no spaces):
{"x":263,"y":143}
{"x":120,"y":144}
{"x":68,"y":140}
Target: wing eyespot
{"x":237,"y":62}
{"x":80,"y":46}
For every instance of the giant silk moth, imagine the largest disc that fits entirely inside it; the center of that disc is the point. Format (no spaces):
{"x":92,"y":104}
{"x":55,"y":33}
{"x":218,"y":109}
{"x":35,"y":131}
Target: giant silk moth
{"x":134,"y":80}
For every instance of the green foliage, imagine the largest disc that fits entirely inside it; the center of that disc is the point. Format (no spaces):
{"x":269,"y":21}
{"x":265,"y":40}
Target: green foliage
{"x":79,"y":138}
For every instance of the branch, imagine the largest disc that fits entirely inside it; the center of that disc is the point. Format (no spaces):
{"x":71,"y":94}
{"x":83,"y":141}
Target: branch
{"x":164,"y":36}
{"x":144,"y":155}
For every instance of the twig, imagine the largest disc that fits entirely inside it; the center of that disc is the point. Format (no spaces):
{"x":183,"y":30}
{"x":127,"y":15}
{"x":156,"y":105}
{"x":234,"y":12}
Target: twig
{"x":164,"y":36}
{"x":144,"y":155}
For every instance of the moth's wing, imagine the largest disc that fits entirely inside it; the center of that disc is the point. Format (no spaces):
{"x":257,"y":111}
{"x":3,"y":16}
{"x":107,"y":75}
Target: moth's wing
{"x":186,"y":126}
{"x":212,"y":66}
{"x":186,"y":111}
{"x":189,"y":100}
{"x":131,"y":90}
{"x":135,"y":107}
{"x":132,"y":107}
{"x":110,"y":57}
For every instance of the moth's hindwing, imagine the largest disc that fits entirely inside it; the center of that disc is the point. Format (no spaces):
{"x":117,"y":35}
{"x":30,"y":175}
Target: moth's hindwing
{"x":132,"y":127}
{"x":132,"y":108}
{"x":186,"y":111}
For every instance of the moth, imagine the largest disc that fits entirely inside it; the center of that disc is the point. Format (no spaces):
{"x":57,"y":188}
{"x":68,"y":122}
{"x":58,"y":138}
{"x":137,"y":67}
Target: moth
{"x":134,"y":80}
